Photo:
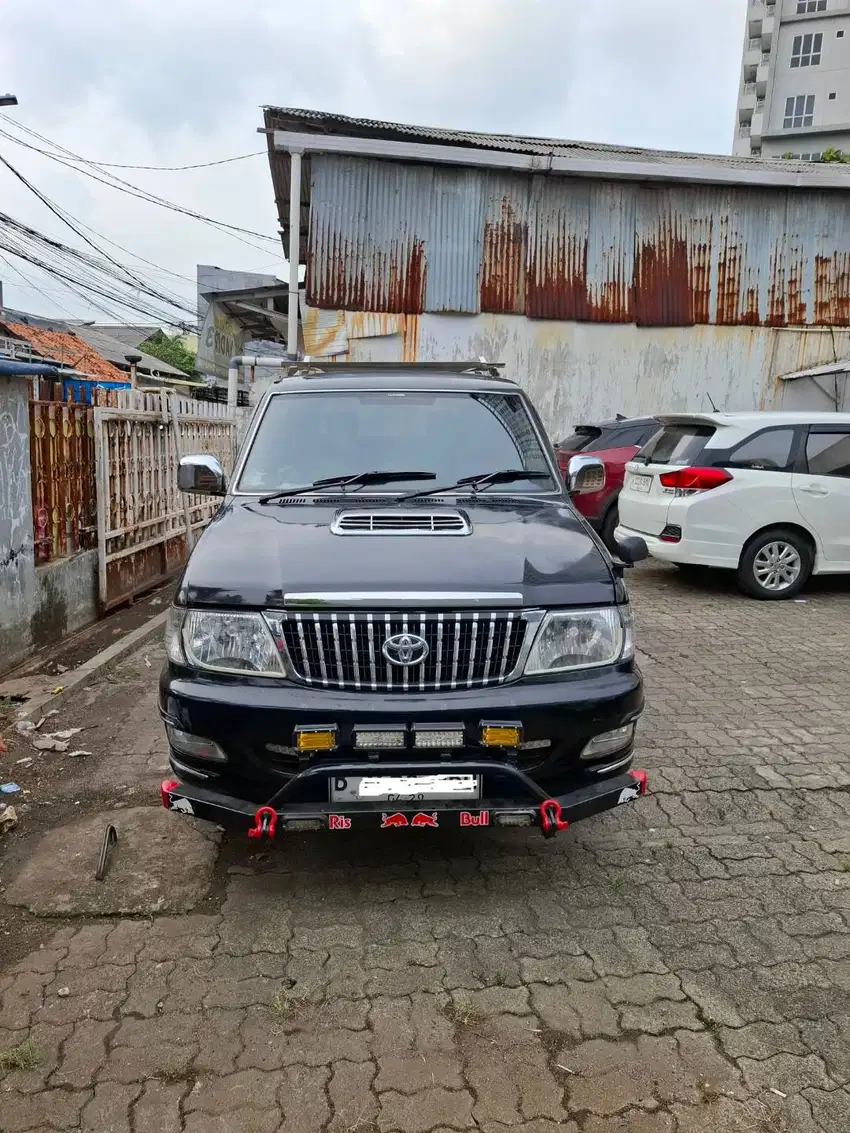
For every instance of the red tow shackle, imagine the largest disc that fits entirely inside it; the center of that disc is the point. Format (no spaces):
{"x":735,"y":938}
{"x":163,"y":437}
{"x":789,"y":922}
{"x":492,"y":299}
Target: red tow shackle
{"x":550,"y":818}
{"x":265,"y":821}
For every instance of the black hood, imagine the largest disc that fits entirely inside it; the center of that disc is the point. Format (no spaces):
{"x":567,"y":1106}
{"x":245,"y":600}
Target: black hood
{"x":253,"y":554}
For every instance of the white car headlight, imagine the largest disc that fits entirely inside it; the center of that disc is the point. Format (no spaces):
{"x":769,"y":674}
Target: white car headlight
{"x":230,"y":643}
{"x":581,"y":639}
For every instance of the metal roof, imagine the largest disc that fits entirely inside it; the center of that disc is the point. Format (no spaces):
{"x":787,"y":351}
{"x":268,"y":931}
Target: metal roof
{"x":321,"y":122}
{"x":115,"y":350}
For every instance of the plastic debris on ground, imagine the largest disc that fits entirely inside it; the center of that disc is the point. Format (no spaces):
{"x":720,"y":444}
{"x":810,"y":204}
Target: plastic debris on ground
{"x":9,"y":788}
{"x":8,"y":819}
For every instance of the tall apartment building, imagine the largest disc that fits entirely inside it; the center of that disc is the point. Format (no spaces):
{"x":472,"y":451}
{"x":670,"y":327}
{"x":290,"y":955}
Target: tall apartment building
{"x":795,"y":79}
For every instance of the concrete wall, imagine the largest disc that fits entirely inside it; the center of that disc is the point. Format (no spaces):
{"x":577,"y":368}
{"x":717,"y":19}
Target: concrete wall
{"x":17,"y":569}
{"x":38,"y":605}
{"x":584,"y":371}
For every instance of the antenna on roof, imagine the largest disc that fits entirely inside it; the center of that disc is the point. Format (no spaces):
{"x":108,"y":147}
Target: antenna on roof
{"x":711,"y":401}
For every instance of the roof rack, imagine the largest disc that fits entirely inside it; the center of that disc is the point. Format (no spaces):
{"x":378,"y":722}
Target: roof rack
{"x":310,"y":369}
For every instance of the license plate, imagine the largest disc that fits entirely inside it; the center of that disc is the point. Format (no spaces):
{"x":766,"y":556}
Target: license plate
{"x":640,"y":483}
{"x":405,"y":788}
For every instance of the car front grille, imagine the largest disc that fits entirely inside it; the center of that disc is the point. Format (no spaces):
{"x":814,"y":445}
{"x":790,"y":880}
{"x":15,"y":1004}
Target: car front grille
{"x":345,"y":650}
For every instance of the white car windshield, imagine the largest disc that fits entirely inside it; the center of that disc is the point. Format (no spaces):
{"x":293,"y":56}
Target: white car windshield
{"x":305,"y":437}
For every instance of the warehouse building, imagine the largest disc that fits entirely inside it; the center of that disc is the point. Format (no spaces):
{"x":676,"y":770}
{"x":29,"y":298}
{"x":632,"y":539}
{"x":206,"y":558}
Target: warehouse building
{"x":607,"y":279}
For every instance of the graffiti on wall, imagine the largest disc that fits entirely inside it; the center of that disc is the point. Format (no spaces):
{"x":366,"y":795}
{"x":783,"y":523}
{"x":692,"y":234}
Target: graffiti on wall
{"x":16,"y":556}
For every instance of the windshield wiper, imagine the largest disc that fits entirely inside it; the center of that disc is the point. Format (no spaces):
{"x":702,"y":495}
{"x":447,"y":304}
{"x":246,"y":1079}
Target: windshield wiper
{"x":361,"y":479}
{"x":483,"y":480}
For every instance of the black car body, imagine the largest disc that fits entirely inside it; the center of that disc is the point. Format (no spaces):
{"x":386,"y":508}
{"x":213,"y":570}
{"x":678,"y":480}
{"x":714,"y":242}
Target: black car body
{"x":368,"y":653}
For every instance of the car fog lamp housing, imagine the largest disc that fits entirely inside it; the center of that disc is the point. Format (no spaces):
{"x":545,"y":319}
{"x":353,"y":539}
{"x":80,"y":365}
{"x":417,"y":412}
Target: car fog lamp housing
{"x":608,"y":743}
{"x":194,"y":747}
{"x":568,"y":640}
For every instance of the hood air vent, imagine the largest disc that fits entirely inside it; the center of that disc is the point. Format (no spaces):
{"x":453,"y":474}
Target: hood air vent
{"x":391,"y":521}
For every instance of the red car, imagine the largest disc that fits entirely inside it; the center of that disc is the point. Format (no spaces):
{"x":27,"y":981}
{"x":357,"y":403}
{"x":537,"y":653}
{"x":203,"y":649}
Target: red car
{"x":615,"y":443}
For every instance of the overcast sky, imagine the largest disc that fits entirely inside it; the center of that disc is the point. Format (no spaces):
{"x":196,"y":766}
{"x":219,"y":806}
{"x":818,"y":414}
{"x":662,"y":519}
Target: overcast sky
{"x":173,"y":82}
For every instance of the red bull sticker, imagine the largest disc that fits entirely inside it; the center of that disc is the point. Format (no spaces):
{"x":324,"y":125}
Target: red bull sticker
{"x":480,"y":819}
{"x":425,"y":820}
{"x":390,"y":820}
{"x":338,"y":822}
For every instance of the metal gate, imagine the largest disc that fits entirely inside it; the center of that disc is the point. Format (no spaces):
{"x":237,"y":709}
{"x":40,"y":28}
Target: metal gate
{"x":145,"y":525}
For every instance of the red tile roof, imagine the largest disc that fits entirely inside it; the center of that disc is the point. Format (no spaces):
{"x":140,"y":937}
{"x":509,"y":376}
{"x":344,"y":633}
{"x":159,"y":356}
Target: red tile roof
{"x":67,"y":349}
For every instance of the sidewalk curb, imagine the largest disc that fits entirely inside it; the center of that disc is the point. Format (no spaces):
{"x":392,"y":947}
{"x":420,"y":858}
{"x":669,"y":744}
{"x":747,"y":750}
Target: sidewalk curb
{"x":71,"y":680}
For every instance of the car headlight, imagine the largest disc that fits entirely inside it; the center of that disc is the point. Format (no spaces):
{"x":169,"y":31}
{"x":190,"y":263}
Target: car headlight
{"x":173,"y":638}
{"x":581,"y":639}
{"x":225,"y":642}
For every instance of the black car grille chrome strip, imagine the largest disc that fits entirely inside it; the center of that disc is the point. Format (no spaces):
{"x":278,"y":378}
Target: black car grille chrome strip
{"x":466,"y":649}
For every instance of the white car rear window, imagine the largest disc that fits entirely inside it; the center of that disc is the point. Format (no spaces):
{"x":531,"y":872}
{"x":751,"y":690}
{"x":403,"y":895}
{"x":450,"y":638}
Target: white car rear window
{"x":676,"y":444}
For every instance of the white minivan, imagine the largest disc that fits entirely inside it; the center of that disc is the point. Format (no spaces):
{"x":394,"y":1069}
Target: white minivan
{"x":764,"y":494}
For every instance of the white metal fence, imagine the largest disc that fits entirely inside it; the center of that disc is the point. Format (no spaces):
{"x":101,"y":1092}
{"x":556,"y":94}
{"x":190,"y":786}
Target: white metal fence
{"x":145,"y":525}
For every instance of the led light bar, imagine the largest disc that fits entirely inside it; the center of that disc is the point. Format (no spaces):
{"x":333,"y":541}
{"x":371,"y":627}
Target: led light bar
{"x":374,"y":738}
{"x":440,"y":738}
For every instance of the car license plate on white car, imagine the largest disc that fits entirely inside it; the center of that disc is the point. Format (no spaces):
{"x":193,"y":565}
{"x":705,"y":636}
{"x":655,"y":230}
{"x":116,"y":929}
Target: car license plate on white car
{"x":405,"y":788}
{"x":640,"y":483}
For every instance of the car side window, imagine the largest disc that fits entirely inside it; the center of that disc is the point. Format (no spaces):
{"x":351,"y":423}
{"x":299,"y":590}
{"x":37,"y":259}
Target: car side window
{"x":828,"y":454}
{"x":769,"y":451}
{"x":635,"y":436}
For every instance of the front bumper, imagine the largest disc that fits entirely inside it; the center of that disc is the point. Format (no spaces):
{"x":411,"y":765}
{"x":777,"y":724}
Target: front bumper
{"x":254,"y":722}
{"x":525,"y":803}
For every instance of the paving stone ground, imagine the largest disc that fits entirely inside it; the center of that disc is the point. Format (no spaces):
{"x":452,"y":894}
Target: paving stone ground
{"x":678,"y":966}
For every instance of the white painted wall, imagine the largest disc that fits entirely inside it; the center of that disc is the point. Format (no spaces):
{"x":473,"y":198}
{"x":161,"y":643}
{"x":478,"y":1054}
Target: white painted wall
{"x":584,"y":371}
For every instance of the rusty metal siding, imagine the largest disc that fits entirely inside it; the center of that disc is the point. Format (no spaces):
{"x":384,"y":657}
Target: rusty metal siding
{"x":410,"y":239}
{"x":505,"y":244}
{"x":455,"y":199}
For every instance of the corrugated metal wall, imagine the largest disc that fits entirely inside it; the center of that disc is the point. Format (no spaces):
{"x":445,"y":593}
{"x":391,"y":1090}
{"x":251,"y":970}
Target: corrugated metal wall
{"x":417,"y":238}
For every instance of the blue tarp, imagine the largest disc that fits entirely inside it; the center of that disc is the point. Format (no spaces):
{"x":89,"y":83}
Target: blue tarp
{"x":12,"y":367}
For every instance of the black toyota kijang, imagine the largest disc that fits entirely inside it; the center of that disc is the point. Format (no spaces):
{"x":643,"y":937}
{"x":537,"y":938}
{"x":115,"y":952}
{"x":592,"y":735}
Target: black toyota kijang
{"x":397,"y":618}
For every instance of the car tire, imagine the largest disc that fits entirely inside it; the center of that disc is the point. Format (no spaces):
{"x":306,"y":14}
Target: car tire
{"x":609,"y":526}
{"x":775,"y":565}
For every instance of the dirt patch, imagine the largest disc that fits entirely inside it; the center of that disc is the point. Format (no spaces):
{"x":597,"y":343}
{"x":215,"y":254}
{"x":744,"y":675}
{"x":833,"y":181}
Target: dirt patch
{"x":161,"y":864}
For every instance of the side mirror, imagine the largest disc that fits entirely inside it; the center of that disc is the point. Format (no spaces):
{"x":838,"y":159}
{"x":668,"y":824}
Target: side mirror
{"x":632,"y":549}
{"x":202,"y":475}
{"x":585,"y":474}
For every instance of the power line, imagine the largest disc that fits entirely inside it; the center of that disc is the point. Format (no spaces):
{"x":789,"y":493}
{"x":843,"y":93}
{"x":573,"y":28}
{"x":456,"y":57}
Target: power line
{"x":175,"y":168}
{"x":59,"y":213}
{"x":121,"y":185}
{"x":78,"y":269}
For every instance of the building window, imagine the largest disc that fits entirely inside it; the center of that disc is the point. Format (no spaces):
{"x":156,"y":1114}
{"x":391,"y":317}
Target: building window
{"x":840,"y":34}
{"x":804,"y":6}
{"x":806,"y":50}
{"x":832,"y":96}
{"x":799,"y":112}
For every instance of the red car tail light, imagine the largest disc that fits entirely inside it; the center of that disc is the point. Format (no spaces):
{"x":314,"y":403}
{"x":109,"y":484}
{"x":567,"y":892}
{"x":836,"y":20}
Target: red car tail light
{"x":695,"y":479}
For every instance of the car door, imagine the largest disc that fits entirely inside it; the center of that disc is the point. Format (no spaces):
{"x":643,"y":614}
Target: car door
{"x":822,"y":492}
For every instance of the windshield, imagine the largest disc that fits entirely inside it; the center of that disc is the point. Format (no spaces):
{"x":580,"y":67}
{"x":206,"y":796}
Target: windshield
{"x":304,"y":437}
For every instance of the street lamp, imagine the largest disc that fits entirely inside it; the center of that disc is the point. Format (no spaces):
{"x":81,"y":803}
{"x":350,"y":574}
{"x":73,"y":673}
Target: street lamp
{"x":8,"y":100}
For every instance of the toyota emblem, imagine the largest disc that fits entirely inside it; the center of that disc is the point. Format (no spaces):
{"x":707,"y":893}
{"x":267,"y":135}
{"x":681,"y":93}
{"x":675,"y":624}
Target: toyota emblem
{"x":405,"y":649}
